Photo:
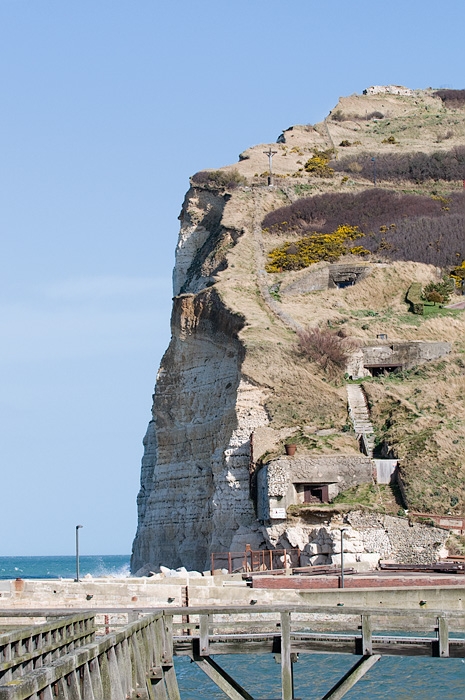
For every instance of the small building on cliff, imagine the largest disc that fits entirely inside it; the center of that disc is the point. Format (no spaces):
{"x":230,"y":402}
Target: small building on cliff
{"x":288,"y":481}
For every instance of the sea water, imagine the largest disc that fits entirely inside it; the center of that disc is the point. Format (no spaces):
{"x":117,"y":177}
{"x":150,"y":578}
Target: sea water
{"x":393,"y":677}
{"x":116,"y":565}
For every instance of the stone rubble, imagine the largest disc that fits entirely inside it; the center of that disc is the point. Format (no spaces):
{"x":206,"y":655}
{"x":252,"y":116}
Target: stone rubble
{"x":368,"y":538}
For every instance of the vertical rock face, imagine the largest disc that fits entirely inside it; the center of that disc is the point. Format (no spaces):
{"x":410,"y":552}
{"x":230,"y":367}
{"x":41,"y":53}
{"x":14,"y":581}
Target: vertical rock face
{"x":195,"y":480}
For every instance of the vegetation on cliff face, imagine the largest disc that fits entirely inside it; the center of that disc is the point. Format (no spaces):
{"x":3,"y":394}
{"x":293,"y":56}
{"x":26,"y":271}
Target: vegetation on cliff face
{"x":452,"y":98}
{"x":397,"y":226}
{"x":219,"y":179}
{"x":314,"y":248}
{"x":330,"y":350}
{"x":413,"y":223}
{"x":419,"y":416}
{"x":401,"y":167}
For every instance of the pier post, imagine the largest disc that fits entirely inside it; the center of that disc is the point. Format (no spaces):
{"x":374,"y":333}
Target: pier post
{"x":96,"y":679}
{"x":365,"y":646}
{"x":287,"y":673}
{"x":87,"y":689}
{"x":204,"y":643}
{"x":442,"y":645}
{"x":116,"y":688}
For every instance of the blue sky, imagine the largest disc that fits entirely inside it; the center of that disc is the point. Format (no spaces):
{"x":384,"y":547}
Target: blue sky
{"x":106,"y":108}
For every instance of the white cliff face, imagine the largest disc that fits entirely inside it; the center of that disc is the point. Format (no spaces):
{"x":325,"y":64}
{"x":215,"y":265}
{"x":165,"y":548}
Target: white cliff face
{"x":194,"y":492}
{"x":200,"y":223}
{"x":232,"y":506}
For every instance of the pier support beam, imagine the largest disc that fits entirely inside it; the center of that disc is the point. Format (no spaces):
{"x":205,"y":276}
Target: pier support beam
{"x":222,"y":679}
{"x":351,"y":677}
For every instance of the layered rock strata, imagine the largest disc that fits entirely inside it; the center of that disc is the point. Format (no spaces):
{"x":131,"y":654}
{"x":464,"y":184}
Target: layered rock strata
{"x":195,"y":471}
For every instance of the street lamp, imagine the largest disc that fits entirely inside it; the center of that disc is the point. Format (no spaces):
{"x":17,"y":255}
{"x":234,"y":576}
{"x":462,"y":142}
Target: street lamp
{"x":343,"y":529}
{"x":77,"y":553}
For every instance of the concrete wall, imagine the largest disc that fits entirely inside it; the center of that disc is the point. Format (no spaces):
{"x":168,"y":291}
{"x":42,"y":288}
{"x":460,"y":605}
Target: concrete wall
{"x":92,"y":593}
{"x":218,"y":591}
{"x":407,"y":355}
{"x":386,"y":470}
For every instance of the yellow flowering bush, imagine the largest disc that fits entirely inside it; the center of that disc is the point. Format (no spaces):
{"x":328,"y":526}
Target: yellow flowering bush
{"x":458,"y":274}
{"x":318,"y":164}
{"x":315,"y":247}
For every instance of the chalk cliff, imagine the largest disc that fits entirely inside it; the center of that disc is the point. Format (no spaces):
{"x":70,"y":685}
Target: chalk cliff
{"x":232,"y":368}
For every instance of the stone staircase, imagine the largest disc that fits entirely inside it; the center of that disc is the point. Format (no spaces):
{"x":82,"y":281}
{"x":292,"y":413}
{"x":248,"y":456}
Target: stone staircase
{"x":360,"y":418}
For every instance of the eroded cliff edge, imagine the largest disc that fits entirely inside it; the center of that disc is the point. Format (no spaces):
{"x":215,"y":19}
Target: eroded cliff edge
{"x":194,"y":484}
{"x":232,"y":368}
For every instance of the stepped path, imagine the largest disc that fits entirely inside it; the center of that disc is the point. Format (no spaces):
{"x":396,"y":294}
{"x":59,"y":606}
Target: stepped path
{"x":360,"y":417}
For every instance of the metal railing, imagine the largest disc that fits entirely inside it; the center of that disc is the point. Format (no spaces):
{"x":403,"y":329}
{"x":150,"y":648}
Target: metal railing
{"x":255,"y":560}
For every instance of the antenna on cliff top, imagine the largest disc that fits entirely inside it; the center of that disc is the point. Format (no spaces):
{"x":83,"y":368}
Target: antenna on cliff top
{"x":270,"y":155}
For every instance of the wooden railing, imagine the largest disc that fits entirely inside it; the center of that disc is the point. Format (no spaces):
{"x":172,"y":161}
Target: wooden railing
{"x":25,"y":649}
{"x":292,"y":630}
{"x":137,"y":661}
{"x":133,"y":662}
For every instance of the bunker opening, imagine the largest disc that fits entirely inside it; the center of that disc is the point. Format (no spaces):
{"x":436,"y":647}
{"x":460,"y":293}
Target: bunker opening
{"x":377,"y":370}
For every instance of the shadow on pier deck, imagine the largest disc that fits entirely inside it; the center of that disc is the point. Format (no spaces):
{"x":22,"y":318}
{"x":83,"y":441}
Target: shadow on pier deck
{"x":63,"y":658}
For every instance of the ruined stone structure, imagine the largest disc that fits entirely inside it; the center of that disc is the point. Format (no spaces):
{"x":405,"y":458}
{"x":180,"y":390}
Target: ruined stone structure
{"x":368,"y":538}
{"x":310,"y":479}
{"x":387,"y":356}
{"x":388,"y":90}
{"x":324,"y":276}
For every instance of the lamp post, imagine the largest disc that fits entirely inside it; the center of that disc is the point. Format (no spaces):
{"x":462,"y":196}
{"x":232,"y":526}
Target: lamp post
{"x":77,"y":553}
{"x":343,"y":529}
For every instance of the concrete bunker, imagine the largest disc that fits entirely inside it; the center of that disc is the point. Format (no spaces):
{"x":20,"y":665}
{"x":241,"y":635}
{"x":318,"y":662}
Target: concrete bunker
{"x":382,"y":356}
{"x":287,"y":481}
{"x":322,"y":276}
{"x":343,"y":275}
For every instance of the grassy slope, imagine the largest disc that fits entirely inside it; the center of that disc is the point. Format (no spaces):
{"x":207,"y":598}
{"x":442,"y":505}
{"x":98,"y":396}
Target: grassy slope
{"x":419,"y":415}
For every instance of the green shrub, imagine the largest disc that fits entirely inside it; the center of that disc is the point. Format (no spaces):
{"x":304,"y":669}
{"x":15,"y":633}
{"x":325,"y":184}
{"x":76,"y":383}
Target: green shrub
{"x":435,"y":297}
{"x":443,"y":289}
{"x":219,"y":179}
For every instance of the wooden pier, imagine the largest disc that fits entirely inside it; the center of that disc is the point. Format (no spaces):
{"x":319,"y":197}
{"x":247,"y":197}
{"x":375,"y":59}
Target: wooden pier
{"x":63,"y":658}
{"x":289,"y":631}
